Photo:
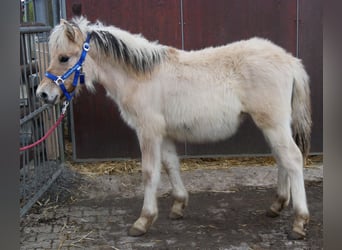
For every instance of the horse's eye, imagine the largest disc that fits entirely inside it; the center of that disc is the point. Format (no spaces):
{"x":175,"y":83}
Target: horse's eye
{"x":63,"y":59}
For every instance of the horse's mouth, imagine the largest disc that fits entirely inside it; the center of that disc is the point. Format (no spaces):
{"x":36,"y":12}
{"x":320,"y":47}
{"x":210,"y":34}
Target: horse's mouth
{"x":55,"y":100}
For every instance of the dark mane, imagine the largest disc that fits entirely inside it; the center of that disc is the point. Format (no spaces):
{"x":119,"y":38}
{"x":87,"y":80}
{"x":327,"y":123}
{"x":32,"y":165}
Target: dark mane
{"x":140,"y":59}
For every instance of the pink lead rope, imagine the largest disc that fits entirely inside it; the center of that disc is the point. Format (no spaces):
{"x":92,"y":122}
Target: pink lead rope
{"x":65,"y":105}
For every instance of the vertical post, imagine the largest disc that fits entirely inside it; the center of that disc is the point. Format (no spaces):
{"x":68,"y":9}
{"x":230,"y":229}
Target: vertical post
{"x":62,"y":9}
{"x":22,"y":11}
{"x":182,"y":22}
{"x":182,"y":35}
{"x":297,"y":29}
{"x":55,"y":11}
{"x":40,"y":10}
{"x":72,"y":129}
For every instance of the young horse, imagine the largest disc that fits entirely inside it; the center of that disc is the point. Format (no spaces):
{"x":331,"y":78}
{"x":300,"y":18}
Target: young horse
{"x":167,"y":94}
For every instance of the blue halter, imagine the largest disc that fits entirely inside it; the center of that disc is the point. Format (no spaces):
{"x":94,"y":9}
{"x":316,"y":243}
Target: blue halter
{"x":77,"y":68}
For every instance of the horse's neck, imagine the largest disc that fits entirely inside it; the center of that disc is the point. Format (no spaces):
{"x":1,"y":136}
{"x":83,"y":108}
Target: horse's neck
{"x":122,"y":60}
{"x":111,"y":76}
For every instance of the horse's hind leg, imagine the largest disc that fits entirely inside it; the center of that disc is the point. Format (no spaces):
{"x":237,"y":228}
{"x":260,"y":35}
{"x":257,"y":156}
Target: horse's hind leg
{"x":179,"y":193}
{"x":290,"y":161}
{"x":283,"y":193}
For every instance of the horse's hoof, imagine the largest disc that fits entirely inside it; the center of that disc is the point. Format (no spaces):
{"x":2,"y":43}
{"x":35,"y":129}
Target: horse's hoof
{"x":175,"y":216}
{"x":270,"y":213}
{"x":177,"y":209}
{"x":295,"y":236}
{"x":135,"y":232}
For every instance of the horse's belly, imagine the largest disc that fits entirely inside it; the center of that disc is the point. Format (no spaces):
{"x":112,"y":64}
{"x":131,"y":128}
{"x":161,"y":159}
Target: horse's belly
{"x":202,"y":123}
{"x":204,"y":110}
{"x":204,"y":132}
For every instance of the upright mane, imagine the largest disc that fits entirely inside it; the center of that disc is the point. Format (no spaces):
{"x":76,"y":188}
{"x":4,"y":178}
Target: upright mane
{"x":133,"y":52}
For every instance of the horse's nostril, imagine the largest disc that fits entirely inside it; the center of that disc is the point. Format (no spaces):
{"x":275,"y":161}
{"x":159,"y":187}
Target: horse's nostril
{"x":43,"y":95}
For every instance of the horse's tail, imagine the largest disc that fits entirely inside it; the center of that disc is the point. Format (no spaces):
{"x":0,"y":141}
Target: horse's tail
{"x":301,"y":108}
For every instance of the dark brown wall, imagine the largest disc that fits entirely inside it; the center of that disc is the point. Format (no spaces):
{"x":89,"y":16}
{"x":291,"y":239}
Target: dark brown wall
{"x":100,"y":132}
{"x":155,"y":19}
{"x":311,"y":52}
{"x":218,"y":22}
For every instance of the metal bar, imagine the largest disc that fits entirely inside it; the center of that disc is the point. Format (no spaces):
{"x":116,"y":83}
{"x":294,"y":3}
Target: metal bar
{"x":41,"y":11}
{"x":24,"y":74}
{"x":62,"y":9}
{"x":34,"y":29}
{"x":28,"y":46}
{"x":25,"y":160}
{"x":55,"y":11}
{"x":73,"y":139}
{"x":60,"y":136}
{"x":36,"y":155}
{"x":46,"y":52}
{"x":31,"y":56}
{"x":182,"y":22}
{"x":297,"y":29}
{"x":41,"y":148}
{"x":34,"y":113}
{"x":183,"y":47}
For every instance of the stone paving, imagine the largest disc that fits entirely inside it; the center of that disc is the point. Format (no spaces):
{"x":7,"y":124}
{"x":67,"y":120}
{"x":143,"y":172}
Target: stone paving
{"x":226,"y":211}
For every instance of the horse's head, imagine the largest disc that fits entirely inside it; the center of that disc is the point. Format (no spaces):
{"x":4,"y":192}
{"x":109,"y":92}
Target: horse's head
{"x":66,"y":45}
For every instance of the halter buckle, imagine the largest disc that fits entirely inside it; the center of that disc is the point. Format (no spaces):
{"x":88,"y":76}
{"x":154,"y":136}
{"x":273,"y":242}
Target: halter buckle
{"x":59,"y":80}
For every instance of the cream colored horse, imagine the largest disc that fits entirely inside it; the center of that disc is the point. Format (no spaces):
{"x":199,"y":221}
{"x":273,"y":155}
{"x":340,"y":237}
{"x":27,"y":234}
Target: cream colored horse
{"x":167,"y":94}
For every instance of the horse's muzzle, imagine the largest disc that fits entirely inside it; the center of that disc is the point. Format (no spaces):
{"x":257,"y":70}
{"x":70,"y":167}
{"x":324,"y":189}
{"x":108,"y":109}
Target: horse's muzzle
{"x":48,"y":93}
{"x":46,"y":99}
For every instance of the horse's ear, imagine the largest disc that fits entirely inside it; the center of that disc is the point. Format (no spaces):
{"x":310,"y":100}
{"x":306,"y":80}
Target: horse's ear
{"x":68,"y":29}
{"x":62,"y":21}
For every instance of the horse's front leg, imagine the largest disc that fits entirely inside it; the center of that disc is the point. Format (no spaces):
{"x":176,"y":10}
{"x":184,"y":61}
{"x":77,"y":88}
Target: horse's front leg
{"x":151,"y":163}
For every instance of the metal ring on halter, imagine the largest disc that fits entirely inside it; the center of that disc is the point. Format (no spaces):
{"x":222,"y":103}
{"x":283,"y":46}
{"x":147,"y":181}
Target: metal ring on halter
{"x":59,"y":80}
{"x":86,"y":46}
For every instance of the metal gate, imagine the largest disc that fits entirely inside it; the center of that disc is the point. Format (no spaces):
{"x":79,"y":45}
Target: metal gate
{"x":40,"y":165}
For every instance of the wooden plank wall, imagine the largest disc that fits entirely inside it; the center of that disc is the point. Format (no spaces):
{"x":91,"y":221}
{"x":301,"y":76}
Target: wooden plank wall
{"x":99,"y":131}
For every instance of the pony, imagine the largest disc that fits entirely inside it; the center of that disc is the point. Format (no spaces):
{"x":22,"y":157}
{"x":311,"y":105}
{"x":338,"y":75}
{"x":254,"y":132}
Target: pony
{"x":167,"y":95}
